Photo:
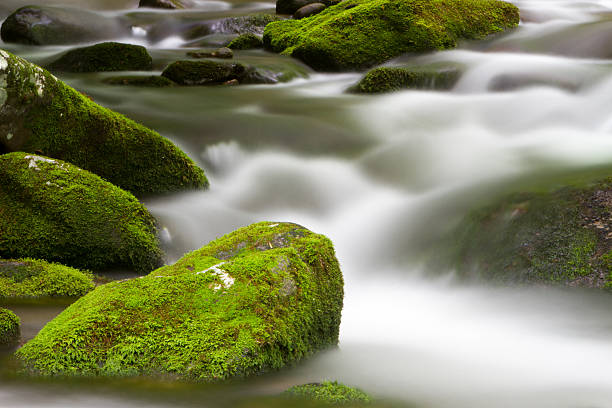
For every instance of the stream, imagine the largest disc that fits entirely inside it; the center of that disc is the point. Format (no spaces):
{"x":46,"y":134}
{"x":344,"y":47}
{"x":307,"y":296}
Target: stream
{"x":385,"y":177}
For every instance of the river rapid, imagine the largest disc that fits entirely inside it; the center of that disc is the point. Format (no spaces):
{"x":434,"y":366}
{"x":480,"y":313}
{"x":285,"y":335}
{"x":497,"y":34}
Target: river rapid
{"x":386,"y":177}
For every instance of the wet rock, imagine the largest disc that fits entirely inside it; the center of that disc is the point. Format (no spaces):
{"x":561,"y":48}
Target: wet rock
{"x":42,"y":25}
{"x":9,"y":328}
{"x":291,"y":6}
{"x":389,"y":79}
{"x":224,"y":53}
{"x":108,"y":56}
{"x":153,"y":81}
{"x":52,"y":210}
{"x":513,"y":82}
{"x":30,"y":279}
{"x":357,"y":34}
{"x":165,"y":4}
{"x":254,"y":24}
{"x":246,"y":42}
{"x":309,"y":10}
{"x":328,"y":392}
{"x":204,"y":318}
{"x":39,"y":113}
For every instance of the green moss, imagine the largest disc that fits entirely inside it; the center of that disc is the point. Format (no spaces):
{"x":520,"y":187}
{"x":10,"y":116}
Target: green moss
{"x":254,"y":300}
{"x":389,"y":79}
{"x":357,"y":34}
{"x":107,"y":56}
{"x":55,"y":211}
{"x":29,"y":278}
{"x":42,"y":114}
{"x":153,"y":81}
{"x":9,"y":327}
{"x":246,"y":42}
{"x":332,"y":393}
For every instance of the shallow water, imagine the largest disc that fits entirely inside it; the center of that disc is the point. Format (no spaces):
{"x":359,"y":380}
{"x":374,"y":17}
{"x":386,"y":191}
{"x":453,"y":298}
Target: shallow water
{"x":386,"y":177}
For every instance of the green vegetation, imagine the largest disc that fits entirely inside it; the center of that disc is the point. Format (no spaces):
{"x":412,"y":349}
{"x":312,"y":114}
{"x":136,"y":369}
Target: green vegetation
{"x":30,"y":278}
{"x":357,"y":34}
{"x":152,"y":81}
{"x":389,"y":79}
{"x":107,"y":56}
{"x":42,"y":114}
{"x":255,"y":300}
{"x":332,"y":393}
{"x":9,"y":328}
{"x":55,"y":211}
{"x":246,"y":42}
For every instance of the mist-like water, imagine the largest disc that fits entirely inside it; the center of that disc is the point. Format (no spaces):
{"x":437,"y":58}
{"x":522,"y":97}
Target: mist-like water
{"x":386,"y":177}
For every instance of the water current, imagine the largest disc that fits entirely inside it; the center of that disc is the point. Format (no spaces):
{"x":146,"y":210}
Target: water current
{"x":385,"y":177}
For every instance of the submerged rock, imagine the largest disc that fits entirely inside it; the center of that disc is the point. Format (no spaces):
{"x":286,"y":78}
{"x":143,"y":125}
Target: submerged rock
{"x":357,"y":34}
{"x":559,"y":237}
{"x":9,"y":328}
{"x":255,"y":300}
{"x":43,"y":25}
{"x":224,"y":53}
{"x":108,"y":56}
{"x":52,"y":210}
{"x":328,"y":392}
{"x":39,"y":113}
{"x":389,"y":79}
{"x":30,"y":278}
{"x":246,"y":42}
{"x":152,"y":81}
{"x":309,"y":10}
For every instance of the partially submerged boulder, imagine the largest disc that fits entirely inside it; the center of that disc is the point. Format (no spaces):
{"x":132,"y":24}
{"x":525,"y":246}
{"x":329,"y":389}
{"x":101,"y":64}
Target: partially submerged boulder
{"x":246,"y":42}
{"x":108,"y":56}
{"x":291,"y":6}
{"x":329,"y":392}
{"x":9,"y":328}
{"x":389,"y":79}
{"x":39,"y":113}
{"x":165,"y":4}
{"x":31,"y":278}
{"x":357,"y":34}
{"x":253,"y":24}
{"x":255,"y":300}
{"x":44,"y":25}
{"x":151,"y":81}
{"x":52,"y":210}
{"x":558,"y":237}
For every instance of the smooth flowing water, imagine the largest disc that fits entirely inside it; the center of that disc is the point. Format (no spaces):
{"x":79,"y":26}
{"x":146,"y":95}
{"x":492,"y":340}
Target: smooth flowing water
{"x":386,"y":177}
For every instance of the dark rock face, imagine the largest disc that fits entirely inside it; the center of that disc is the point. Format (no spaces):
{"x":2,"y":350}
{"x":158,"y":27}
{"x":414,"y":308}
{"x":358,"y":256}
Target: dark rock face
{"x":309,"y":10}
{"x":41,"y":25}
{"x":109,"y":56}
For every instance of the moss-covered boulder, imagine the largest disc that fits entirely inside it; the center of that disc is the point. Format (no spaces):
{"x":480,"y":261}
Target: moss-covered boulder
{"x":246,"y":42}
{"x":9,"y":328}
{"x":55,"y":211}
{"x":255,"y":300}
{"x":357,"y":34}
{"x":559,"y":237}
{"x":30,"y":278}
{"x":332,"y":393}
{"x":43,"y":25}
{"x":108,"y":56}
{"x":389,"y":79}
{"x":151,"y":81}
{"x":39,"y":113}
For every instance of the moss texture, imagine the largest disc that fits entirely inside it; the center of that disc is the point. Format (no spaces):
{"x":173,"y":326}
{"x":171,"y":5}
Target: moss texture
{"x":356,"y":34}
{"x":107,"y":56}
{"x":55,"y":211}
{"x":389,"y":79}
{"x":9,"y":328}
{"x":30,"y":278}
{"x":255,"y":300}
{"x":246,"y":42}
{"x":39,"y":113}
{"x":152,"y":81}
{"x":561,"y":237}
{"x":332,"y":393}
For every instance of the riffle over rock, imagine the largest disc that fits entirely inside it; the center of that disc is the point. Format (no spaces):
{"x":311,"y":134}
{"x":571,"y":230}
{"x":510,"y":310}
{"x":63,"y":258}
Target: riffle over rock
{"x":255,"y":300}
{"x":108,"y":56}
{"x":39,"y":113}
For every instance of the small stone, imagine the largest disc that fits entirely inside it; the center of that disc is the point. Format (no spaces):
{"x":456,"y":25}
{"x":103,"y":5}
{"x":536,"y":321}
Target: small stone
{"x":309,"y":10}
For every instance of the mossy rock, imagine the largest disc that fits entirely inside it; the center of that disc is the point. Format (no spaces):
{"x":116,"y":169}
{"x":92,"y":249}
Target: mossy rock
{"x":31,"y":278}
{"x":246,"y":42}
{"x":43,"y":25}
{"x":52,"y":210}
{"x":389,"y":79}
{"x":255,"y":300}
{"x":357,"y":34}
{"x":107,"y":56}
{"x":331,"y":393}
{"x":152,"y":81}
{"x":39,"y":113}
{"x":9,"y":328}
{"x":561,"y":237}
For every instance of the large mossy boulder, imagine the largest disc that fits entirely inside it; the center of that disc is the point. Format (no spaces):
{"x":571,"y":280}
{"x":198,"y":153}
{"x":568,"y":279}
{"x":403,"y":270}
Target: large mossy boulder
{"x":55,"y":211}
{"x":108,"y":56}
{"x":357,"y":34}
{"x":255,"y":300}
{"x":559,"y":237}
{"x":330,"y":393}
{"x":390,"y":79}
{"x":30,"y":278}
{"x":43,"y":25}
{"x":9,"y":328}
{"x":39,"y":113}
